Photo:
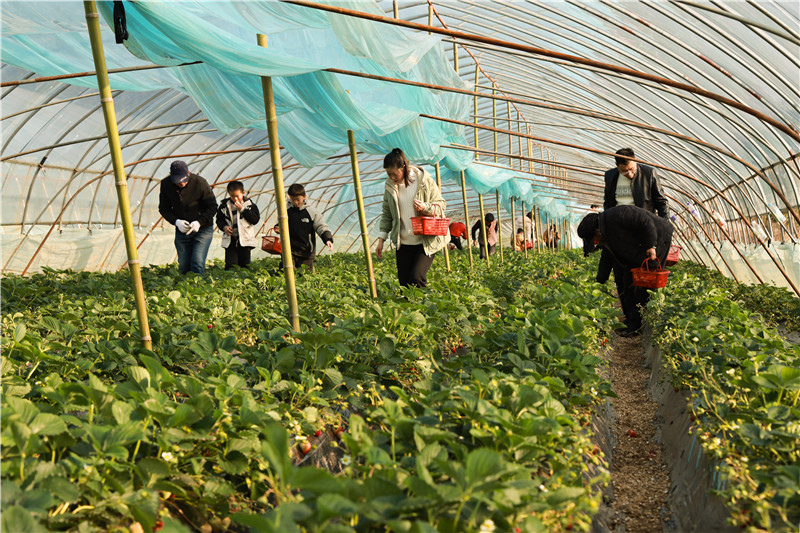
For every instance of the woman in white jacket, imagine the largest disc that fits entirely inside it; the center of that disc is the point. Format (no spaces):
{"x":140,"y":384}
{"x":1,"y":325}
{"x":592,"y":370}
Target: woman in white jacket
{"x":410,"y":191}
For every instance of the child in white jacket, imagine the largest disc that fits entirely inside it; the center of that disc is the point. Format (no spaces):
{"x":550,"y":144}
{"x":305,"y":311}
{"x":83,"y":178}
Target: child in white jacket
{"x":237,"y":217}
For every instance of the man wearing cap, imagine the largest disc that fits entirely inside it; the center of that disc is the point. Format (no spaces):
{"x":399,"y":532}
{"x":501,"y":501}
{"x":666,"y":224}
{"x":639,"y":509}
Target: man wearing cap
{"x":628,"y":235}
{"x":187,"y":202}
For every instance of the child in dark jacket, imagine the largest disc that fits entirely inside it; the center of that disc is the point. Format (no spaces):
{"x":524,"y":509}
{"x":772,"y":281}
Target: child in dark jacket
{"x":237,"y":217}
{"x":304,"y":221}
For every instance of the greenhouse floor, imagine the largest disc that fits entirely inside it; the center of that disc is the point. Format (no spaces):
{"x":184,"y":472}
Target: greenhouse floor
{"x":659,"y":480}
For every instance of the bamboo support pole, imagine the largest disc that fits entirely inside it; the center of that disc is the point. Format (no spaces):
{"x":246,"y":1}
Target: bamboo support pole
{"x":280,"y":196}
{"x":514,"y":225}
{"x":446,"y":250}
{"x":93,"y":24}
{"x":484,"y":236}
{"x":466,"y":219}
{"x":497,"y":193}
{"x":362,"y":216}
{"x":499,"y":227}
{"x":524,"y":229}
{"x":494,"y":121}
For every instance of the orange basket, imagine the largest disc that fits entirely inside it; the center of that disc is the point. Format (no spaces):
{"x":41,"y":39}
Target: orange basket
{"x":649,"y":279}
{"x":430,"y":225}
{"x":674,"y":255}
{"x":271,"y":244}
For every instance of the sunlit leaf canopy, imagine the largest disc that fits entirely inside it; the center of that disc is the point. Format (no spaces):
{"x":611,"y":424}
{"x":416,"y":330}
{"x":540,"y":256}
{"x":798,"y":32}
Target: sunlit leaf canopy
{"x":706,"y":92}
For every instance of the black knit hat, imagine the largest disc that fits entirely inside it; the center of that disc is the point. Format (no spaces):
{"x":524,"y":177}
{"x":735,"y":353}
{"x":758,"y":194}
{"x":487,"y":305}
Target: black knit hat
{"x":586,"y":231}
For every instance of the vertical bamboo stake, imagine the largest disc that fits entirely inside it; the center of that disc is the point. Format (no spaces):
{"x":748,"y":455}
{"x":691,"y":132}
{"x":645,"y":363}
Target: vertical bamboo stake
{"x":514,"y":225}
{"x":524,"y":230}
{"x":430,"y":16}
{"x":499,"y":226}
{"x":530,"y":150}
{"x":446,"y":251}
{"x":475,"y":108}
{"x":494,"y":123}
{"x":547,"y":223}
{"x":484,"y":237}
{"x":109,"y":115}
{"x":497,"y":193}
{"x":466,"y":219}
{"x":362,"y":217}
{"x":395,"y":10}
{"x":280,"y":196}
{"x":510,"y":137}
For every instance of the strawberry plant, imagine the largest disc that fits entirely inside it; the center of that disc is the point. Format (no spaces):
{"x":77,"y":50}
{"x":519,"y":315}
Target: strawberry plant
{"x":198,"y":433}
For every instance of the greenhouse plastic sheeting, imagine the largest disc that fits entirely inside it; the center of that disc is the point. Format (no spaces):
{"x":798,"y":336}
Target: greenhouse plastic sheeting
{"x":316,"y":108}
{"x":729,"y":262}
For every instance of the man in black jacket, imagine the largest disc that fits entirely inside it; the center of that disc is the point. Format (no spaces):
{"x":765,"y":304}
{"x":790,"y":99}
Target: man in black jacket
{"x":630,"y":183}
{"x":628,"y":235}
{"x":186,"y":201}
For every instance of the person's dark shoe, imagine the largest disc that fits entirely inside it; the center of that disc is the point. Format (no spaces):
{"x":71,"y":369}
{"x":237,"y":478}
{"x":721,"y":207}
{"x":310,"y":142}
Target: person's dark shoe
{"x":628,"y":332}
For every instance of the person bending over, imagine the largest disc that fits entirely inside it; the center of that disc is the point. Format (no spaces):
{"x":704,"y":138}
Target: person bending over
{"x":629,"y":235}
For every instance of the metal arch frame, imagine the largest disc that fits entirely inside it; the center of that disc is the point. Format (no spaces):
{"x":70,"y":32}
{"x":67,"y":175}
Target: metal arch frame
{"x":778,"y":76}
{"x":700,"y":103}
{"x":743,"y":20}
{"x":509,"y":128}
{"x":584,"y":148}
{"x":697,"y":201}
{"x":620,"y":52}
{"x":712,"y":42}
{"x":716,"y":110}
{"x":714,"y":134}
{"x":455,"y":90}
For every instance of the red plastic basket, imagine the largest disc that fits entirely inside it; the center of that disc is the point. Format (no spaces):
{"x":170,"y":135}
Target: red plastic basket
{"x":674,"y":255}
{"x":430,"y":225}
{"x":271,"y":244}
{"x":649,"y":279}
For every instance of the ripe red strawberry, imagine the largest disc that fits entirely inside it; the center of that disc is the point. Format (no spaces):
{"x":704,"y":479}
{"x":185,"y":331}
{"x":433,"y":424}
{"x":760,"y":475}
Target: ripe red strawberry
{"x":632,"y":433}
{"x":305,"y":447}
{"x":210,"y":326}
{"x":159,"y":525}
{"x":595,"y":450}
{"x":453,"y":349}
{"x":318,"y":433}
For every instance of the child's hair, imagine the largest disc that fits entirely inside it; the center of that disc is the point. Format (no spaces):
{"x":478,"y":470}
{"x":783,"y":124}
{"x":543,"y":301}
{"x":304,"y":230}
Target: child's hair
{"x":235,"y":186}
{"x":397,"y":159}
{"x":519,"y":230}
{"x":296,"y":189}
{"x":489,"y":218}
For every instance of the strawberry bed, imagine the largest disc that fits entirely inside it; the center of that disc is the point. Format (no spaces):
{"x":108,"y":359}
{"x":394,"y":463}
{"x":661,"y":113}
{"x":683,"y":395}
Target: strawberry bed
{"x":213,"y":429}
{"x":743,"y":383}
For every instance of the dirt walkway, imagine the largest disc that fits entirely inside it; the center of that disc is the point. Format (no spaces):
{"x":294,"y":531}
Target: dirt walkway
{"x":639,"y":476}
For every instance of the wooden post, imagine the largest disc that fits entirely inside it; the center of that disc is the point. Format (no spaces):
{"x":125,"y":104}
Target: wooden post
{"x":466,"y":219}
{"x":514,"y":225}
{"x":123,"y":199}
{"x":499,"y":225}
{"x":446,"y":251}
{"x":484,"y":237}
{"x":280,"y":195}
{"x":524,"y":230}
{"x":362,"y":217}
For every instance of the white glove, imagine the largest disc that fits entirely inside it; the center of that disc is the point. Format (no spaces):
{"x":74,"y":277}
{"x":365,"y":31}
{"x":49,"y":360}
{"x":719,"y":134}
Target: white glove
{"x":182,"y":225}
{"x":194,"y":227}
